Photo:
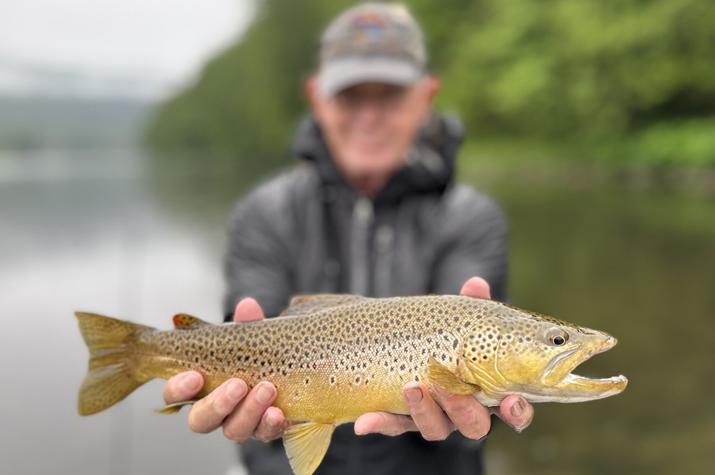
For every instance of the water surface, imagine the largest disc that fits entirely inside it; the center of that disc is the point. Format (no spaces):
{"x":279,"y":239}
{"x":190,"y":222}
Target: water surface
{"x":104,"y":230}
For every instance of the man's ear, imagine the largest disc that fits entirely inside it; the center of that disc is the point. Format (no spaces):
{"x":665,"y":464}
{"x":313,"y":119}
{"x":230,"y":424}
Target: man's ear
{"x":429,"y":88}
{"x":432,"y":86}
{"x":310,"y":89}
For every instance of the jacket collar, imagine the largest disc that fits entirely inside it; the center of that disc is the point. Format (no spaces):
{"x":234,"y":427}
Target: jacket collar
{"x":429,"y":169}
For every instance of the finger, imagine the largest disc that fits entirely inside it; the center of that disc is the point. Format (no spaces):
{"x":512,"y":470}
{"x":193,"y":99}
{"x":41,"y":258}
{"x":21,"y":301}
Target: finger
{"x":384,"y":423}
{"x":272,"y":425}
{"x":466,"y":413}
{"x":241,"y":425}
{"x":208,"y":413}
{"x":516,"y":412}
{"x":429,"y":418}
{"x":248,"y":310}
{"x":182,"y":387}
{"x":476,"y":287}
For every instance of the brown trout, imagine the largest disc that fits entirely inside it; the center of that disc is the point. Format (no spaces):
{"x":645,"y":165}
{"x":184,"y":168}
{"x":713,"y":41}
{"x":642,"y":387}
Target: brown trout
{"x":335,"y":357}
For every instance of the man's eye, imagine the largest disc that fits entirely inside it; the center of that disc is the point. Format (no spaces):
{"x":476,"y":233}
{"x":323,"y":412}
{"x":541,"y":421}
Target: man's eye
{"x":394,"y":95}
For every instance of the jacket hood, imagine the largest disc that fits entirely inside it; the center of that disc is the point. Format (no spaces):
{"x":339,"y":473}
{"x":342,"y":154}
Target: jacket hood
{"x":430,"y":166}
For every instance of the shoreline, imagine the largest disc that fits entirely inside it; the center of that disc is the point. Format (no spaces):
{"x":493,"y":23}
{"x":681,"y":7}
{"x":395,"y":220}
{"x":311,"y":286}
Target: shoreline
{"x":495,"y":163}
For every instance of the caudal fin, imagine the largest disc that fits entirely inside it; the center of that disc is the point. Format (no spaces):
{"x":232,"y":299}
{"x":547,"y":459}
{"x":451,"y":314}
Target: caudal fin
{"x":112,"y":374}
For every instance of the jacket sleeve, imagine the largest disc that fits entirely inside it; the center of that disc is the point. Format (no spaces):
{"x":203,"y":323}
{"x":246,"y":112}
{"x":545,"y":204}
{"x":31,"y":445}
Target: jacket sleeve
{"x":475,"y":245}
{"x":257,"y":262}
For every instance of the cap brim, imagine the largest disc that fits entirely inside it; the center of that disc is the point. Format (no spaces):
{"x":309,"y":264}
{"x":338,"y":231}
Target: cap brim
{"x":337,"y":75}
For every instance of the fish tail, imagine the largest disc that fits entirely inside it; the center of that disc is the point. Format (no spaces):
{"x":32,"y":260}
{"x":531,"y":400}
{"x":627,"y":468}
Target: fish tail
{"x":113,"y":364}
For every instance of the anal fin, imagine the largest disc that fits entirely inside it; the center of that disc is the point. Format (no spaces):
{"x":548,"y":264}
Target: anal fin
{"x":174,"y":407}
{"x":441,"y":377}
{"x":306,"y":445}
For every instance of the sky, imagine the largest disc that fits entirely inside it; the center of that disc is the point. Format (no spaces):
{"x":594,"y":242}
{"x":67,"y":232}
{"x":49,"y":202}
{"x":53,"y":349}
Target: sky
{"x":132,"y":48}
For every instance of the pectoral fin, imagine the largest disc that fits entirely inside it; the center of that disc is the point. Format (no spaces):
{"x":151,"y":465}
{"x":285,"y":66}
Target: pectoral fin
{"x":440,"y":376}
{"x":174,"y":408}
{"x":306,"y":445}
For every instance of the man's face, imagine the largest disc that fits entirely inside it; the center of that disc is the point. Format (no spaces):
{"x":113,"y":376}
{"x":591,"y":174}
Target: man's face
{"x":370,"y":127}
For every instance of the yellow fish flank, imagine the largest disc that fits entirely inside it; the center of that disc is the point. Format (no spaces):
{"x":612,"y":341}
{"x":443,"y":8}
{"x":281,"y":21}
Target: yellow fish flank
{"x":335,"y":357}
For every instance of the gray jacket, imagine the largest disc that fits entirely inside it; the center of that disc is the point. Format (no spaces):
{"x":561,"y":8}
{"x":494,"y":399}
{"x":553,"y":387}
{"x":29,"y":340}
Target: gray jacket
{"x":307,"y":231}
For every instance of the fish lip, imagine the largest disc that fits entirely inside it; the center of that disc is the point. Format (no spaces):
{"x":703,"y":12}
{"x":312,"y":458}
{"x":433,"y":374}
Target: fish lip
{"x":575,"y":378}
{"x":556,"y":360}
{"x":598,"y":388}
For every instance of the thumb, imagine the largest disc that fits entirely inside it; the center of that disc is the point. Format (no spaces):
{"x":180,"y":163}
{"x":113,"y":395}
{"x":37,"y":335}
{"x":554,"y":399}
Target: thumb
{"x":476,"y":287}
{"x":248,"y":310}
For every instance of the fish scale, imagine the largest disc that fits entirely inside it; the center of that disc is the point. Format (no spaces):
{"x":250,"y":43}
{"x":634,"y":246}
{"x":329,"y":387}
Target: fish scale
{"x":335,"y":357}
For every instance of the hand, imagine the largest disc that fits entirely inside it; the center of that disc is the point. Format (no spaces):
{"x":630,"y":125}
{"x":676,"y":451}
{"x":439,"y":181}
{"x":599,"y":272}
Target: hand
{"x":436,"y":418}
{"x":242,"y":414}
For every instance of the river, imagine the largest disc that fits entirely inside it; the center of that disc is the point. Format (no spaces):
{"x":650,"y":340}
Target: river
{"x":108,"y":231}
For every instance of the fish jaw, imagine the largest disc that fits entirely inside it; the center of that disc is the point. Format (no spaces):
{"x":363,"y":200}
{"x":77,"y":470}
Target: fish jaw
{"x":561,"y":365}
{"x":575,"y":388}
{"x":556,"y":382}
{"x":562,"y":385}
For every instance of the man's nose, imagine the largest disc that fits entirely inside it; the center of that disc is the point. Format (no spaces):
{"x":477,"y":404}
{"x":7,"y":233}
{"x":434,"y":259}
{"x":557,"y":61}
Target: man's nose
{"x":370,"y":111}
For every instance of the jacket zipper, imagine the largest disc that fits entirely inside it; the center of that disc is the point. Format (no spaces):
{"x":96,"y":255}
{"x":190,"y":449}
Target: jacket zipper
{"x":363,"y":215}
{"x":384,"y":238}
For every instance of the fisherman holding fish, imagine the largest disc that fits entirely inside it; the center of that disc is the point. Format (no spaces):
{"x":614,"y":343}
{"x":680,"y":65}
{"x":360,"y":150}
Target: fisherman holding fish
{"x":371,"y":209}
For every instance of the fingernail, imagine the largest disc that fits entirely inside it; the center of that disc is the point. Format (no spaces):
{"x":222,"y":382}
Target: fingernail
{"x":360,"y":428}
{"x":518,"y":408}
{"x":273,"y":420}
{"x":188,"y":382}
{"x":520,"y":428}
{"x":265,"y":393}
{"x":413,"y":394}
{"x":235,"y":390}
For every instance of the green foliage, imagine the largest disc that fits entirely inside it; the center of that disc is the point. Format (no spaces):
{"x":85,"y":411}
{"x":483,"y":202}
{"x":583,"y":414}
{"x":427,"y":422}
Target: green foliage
{"x":249,"y":97}
{"x":633,"y":72}
{"x":687,"y":142}
{"x":591,"y":68}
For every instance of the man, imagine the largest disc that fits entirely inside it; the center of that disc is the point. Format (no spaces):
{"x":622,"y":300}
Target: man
{"x":371,"y":210}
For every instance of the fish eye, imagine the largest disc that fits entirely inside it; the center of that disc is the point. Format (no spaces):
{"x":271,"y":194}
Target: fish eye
{"x":557,"y":337}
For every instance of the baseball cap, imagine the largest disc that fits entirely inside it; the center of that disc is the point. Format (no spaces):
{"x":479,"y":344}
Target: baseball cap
{"x":371,"y":42}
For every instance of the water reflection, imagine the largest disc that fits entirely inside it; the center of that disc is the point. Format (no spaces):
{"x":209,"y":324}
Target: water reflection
{"x":642,"y":266}
{"x":85,"y":230}
{"x":105,"y":231}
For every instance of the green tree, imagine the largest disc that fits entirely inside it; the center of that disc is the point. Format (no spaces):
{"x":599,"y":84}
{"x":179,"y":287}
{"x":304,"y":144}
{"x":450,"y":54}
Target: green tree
{"x":639,"y":72}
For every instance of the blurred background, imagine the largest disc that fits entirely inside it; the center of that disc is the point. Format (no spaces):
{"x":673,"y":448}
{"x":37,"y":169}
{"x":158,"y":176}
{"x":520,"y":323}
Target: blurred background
{"x":128,"y":130}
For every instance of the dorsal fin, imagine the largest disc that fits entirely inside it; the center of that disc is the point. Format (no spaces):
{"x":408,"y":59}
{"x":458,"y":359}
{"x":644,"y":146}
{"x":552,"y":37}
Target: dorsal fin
{"x":303,"y":304}
{"x":184,"y":321}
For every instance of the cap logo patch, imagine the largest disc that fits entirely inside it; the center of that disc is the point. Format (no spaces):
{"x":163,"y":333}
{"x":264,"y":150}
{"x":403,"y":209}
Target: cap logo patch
{"x":370,"y":27}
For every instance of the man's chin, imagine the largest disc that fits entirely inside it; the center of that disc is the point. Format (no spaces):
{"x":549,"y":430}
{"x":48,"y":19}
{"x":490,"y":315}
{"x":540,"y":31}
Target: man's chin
{"x":373,"y":163}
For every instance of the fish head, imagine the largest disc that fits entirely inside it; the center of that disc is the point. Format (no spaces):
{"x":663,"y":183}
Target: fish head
{"x":535,"y":355}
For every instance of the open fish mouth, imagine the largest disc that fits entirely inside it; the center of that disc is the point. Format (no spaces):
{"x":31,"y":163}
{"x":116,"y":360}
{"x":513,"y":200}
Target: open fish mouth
{"x":572,"y":387}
